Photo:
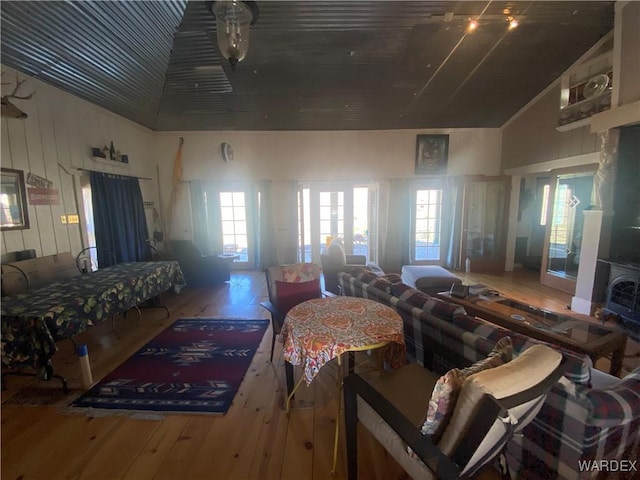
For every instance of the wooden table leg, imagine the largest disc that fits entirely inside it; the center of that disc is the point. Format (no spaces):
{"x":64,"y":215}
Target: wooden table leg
{"x":617,"y":359}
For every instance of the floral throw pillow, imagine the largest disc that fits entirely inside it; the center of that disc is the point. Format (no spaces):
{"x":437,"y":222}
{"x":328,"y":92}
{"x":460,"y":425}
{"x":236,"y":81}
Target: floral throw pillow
{"x":300,"y":272}
{"x":442,"y":402}
{"x":445,"y":393}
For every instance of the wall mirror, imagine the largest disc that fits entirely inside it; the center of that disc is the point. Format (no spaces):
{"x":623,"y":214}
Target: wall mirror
{"x":14,"y":201}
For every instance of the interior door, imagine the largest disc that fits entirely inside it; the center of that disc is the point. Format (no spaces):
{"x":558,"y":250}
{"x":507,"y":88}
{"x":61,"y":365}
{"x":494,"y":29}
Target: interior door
{"x":484,"y":222}
{"x":569,"y":194}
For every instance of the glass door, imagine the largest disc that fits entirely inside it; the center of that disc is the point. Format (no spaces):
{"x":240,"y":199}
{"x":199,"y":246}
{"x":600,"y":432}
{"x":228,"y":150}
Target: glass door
{"x":344,"y":211}
{"x":484,"y":223}
{"x":569,"y":194}
{"x":235,"y":227}
{"x":426,"y":226}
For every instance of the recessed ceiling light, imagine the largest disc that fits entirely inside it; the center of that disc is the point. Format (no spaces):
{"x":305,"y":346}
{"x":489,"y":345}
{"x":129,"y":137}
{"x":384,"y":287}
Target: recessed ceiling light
{"x":473,"y":25}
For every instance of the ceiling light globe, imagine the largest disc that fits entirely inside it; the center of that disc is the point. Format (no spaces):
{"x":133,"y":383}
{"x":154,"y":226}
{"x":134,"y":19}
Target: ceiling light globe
{"x":233,"y":19}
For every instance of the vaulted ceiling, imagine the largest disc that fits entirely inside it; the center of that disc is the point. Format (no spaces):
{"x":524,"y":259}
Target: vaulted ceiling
{"x":312,"y":65}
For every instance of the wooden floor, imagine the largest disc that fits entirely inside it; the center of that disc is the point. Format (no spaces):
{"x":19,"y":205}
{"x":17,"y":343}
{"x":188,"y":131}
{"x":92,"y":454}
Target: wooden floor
{"x":255,"y":439}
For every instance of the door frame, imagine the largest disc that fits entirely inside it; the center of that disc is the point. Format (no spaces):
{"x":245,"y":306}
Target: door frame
{"x":564,"y":284}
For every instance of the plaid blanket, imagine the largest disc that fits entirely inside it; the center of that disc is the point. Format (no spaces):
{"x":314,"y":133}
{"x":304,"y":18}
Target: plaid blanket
{"x":580,"y":433}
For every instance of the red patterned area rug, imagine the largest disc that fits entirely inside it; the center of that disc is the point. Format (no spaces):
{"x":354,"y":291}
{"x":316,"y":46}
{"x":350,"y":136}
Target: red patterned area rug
{"x":194,"y":366}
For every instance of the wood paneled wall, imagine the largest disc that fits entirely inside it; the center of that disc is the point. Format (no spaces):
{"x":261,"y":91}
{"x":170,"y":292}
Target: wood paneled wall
{"x":58,"y":134}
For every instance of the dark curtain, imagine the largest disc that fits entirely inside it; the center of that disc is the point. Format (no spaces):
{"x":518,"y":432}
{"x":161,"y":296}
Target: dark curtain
{"x":119,"y":218}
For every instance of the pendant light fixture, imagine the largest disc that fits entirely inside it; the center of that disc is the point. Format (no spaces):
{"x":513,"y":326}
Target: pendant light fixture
{"x":233,"y":19}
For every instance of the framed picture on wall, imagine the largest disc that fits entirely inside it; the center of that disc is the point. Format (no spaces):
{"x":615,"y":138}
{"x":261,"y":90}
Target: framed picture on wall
{"x":15,"y":215}
{"x":431,"y":154}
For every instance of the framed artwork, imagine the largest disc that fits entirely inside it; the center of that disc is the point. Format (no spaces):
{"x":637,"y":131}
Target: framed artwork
{"x":14,"y":201}
{"x":431,"y":154}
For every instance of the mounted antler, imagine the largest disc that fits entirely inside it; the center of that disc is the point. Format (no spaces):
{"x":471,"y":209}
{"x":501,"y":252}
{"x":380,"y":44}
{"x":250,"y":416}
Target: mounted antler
{"x":8,"y":108}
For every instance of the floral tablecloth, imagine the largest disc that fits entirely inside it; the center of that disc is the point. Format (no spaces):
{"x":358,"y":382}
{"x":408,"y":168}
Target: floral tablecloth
{"x":34,"y":321}
{"x":318,"y":330}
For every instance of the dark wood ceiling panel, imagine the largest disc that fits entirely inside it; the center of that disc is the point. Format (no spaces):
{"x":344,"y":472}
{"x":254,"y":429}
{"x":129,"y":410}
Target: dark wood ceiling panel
{"x":312,"y":65}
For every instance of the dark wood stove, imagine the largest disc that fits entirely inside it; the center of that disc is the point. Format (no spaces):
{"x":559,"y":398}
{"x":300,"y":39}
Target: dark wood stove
{"x":623,"y":294}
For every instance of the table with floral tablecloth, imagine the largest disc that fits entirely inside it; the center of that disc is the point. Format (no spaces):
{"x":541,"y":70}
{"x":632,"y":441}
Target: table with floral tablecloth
{"x":319,"y":330}
{"x":33,"y":322}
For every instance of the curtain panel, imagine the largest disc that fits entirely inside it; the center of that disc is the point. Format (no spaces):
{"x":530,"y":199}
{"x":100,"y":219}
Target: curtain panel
{"x":266,"y":235}
{"x":119,"y":219}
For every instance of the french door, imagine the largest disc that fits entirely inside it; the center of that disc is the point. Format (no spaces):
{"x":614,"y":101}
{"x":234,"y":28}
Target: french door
{"x":345,"y":211}
{"x":230,"y":227}
{"x":234,"y":216}
{"x":427,"y":245}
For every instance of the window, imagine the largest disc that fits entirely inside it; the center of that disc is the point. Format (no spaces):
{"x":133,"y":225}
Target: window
{"x":426,"y":232}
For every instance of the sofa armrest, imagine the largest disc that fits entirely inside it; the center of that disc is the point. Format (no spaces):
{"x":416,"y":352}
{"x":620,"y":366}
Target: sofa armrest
{"x":616,"y":405}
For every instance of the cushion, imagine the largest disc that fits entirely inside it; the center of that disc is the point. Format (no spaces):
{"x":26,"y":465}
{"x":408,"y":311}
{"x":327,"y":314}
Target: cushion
{"x":428,"y":277}
{"x":291,"y":294}
{"x":299,"y":272}
{"x":527,"y":370}
{"x":445,"y":393}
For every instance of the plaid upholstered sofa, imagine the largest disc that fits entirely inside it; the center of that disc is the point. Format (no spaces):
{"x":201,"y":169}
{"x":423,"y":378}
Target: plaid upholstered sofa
{"x":589,"y":416}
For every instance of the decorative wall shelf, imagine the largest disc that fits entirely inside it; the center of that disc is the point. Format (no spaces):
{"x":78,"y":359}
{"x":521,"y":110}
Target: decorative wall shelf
{"x":570,"y":126}
{"x":109,"y":155}
{"x":106,"y":161}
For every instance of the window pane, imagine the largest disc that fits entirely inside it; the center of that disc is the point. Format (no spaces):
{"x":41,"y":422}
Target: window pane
{"x":428,"y":211}
{"x":238,"y":198}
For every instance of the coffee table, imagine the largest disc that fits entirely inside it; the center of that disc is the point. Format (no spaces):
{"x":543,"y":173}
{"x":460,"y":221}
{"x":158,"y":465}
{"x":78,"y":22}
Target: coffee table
{"x":566,"y":331}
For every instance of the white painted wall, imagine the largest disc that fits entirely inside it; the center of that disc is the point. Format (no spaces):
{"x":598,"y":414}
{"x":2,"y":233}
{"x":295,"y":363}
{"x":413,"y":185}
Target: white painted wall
{"x":61,"y":129}
{"x":312,"y":156}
